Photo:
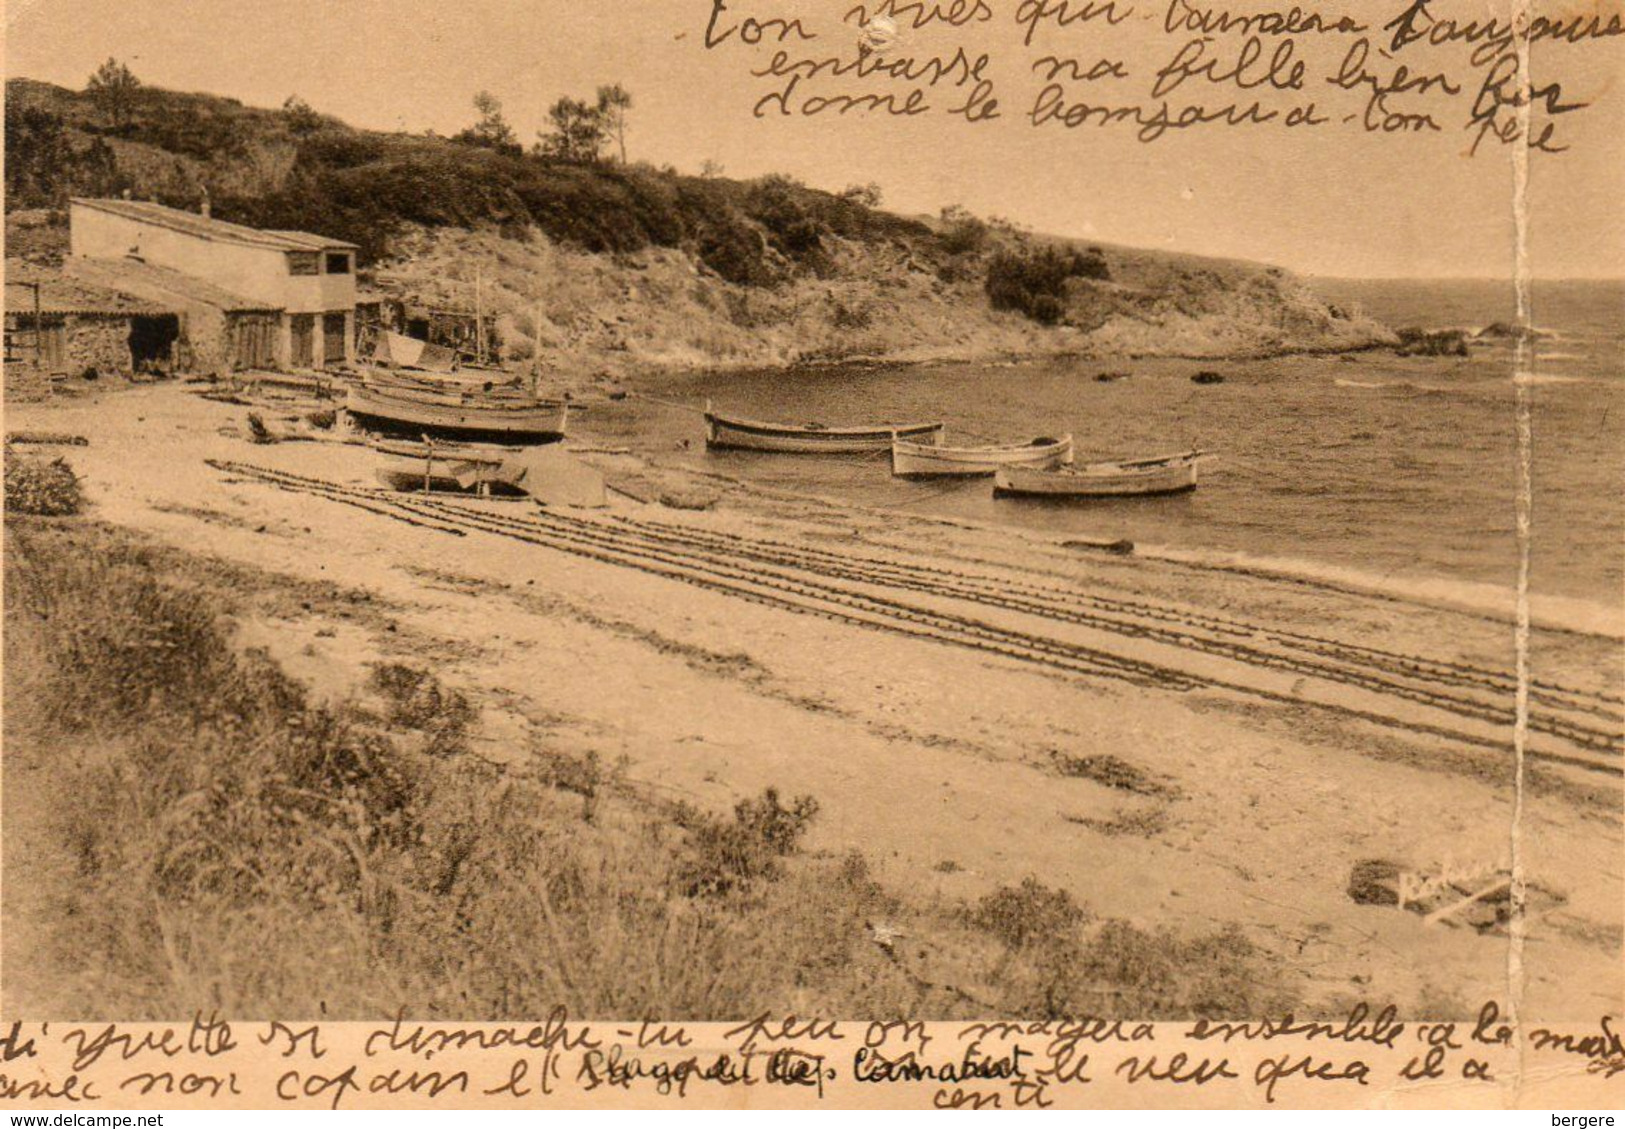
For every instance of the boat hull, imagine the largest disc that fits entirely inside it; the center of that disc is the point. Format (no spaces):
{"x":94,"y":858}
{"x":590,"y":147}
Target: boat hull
{"x":450,"y":466}
{"x":723,"y":433}
{"x":450,"y":475}
{"x":395,"y":412}
{"x":1103,"y":480}
{"x":921,"y":460}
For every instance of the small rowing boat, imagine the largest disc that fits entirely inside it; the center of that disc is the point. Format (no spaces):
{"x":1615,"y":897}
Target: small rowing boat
{"x":476,"y":416}
{"x":1131,"y":478}
{"x":921,"y":460}
{"x":449,"y":466}
{"x":732,"y":433}
{"x":550,"y":475}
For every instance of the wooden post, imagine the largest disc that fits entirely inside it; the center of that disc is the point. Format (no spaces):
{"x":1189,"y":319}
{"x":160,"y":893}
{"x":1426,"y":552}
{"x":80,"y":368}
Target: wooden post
{"x":39,"y":332}
{"x":479,"y":312}
{"x":536,"y":352}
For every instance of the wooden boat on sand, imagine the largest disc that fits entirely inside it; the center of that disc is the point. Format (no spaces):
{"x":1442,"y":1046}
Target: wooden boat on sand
{"x":732,"y":433}
{"x":405,"y":412}
{"x":920,"y":460}
{"x":1131,"y":478}
{"x":549,"y":475}
{"x":449,"y":467}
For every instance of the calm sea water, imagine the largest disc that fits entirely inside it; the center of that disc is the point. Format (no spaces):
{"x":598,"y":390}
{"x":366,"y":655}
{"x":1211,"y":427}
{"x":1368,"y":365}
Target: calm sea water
{"x":1400,"y":471}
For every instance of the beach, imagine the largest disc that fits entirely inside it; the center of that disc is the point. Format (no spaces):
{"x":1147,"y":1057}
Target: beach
{"x":933,"y":680}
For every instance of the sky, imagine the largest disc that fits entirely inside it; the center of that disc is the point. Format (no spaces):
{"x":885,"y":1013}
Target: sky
{"x":1330,"y":201}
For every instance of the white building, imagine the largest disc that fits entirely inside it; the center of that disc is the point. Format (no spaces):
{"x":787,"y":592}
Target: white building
{"x":308,"y":279}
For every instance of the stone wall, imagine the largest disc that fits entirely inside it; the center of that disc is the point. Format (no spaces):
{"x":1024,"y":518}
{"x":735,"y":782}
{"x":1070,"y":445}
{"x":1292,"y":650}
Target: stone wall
{"x":205,"y":344}
{"x":100,"y":343}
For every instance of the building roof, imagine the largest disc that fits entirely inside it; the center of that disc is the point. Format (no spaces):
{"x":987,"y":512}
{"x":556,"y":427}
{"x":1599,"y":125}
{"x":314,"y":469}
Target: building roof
{"x":160,"y":284}
{"x":218,"y":231}
{"x":60,"y":295}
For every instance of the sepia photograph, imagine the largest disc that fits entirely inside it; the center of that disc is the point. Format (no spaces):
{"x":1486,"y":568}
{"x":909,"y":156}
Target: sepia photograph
{"x":1015,"y":528}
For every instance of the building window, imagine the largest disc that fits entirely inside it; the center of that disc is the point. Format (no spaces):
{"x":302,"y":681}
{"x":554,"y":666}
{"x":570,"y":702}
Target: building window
{"x":338,"y":263}
{"x":303,"y":262}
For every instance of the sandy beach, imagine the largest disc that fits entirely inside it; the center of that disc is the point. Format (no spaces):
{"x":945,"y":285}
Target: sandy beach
{"x":929,"y":681}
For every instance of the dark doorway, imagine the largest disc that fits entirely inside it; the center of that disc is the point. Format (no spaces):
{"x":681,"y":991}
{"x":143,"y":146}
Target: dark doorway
{"x":152,"y":343}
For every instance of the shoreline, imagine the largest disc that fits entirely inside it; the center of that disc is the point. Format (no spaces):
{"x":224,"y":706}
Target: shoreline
{"x":1573,"y":615}
{"x":654,"y":370}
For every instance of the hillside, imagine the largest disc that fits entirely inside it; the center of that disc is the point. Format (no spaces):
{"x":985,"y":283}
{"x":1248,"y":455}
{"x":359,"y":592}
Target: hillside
{"x":616,"y":266}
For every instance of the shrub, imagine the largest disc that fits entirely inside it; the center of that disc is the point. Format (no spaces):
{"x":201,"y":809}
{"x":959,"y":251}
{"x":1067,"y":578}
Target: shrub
{"x":850,"y":317}
{"x":726,"y":856}
{"x":1056,"y":965}
{"x":418,"y":700}
{"x":219,"y":780}
{"x":1126,"y":970}
{"x":1034,"y":282}
{"x":779,"y":204}
{"x":963,"y":233}
{"x":42,"y":487}
{"x":1029,"y":914}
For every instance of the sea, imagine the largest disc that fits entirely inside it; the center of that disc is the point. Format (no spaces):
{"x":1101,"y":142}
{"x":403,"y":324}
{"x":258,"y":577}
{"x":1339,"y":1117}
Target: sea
{"x":1371,"y":469}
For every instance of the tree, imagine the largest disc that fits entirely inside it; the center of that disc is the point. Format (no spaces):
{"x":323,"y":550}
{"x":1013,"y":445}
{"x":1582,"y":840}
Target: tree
{"x":492,"y":131}
{"x":37,"y":150}
{"x":42,"y":167}
{"x":613,"y":104}
{"x":302,"y":121}
{"x":578,"y":132}
{"x":114,"y":90}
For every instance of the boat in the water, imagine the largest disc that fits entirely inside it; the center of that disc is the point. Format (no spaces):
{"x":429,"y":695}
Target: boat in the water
{"x":461,"y":467}
{"x":478,"y":416}
{"x":733,"y":433}
{"x":920,"y":460}
{"x":1130,"y":478}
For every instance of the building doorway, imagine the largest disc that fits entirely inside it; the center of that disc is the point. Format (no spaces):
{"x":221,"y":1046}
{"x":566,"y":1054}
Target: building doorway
{"x":254,"y":338}
{"x":152,"y":343}
{"x":303,"y":327}
{"x":333,"y":350}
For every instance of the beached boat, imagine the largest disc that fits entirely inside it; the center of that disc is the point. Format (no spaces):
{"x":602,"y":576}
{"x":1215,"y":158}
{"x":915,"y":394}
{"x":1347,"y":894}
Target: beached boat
{"x":1162,"y":474}
{"x":919,"y":460}
{"x":392,"y":409}
{"x":450,"y":466}
{"x":406,"y":361}
{"x":729,"y":432}
{"x":550,"y":475}
{"x":495,"y":381}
